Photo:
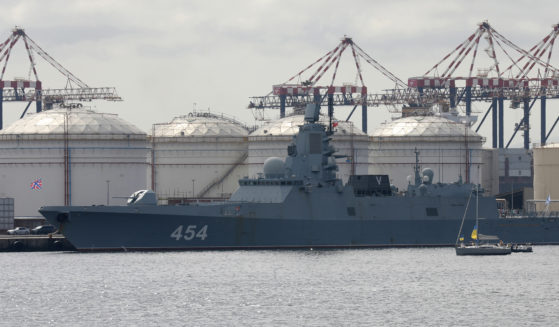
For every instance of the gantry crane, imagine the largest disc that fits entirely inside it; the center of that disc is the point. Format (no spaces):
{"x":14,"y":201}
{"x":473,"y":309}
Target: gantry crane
{"x":519,"y":82}
{"x":307,"y":90}
{"x":28,"y":90}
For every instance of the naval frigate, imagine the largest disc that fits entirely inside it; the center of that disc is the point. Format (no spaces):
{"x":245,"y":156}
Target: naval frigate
{"x":299,"y":203}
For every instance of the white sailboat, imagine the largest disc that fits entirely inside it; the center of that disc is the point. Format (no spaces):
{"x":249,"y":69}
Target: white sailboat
{"x":481,"y":244}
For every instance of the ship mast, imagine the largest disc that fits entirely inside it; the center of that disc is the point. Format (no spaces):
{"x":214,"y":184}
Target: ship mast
{"x":416,"y":168}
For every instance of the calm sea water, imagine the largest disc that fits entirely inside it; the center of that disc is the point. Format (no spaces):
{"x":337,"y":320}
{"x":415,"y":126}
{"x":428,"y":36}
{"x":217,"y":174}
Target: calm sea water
{"x":388,"y":287}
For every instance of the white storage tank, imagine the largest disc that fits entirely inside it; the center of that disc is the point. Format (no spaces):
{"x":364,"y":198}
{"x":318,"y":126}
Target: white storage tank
{"x":71,"y":156}
{"x":272,"y":139}
{"x":452,"y":150}
{"x":546,"y":179}
{"x":199,"y":155}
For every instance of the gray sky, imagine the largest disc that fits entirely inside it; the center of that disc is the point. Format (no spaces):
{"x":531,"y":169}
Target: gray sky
{"x":164,"y":56}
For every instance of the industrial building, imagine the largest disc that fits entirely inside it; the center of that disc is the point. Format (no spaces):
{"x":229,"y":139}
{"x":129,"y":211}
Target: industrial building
{"x":546,"y":179}
{"x":449,"y":148}
{"x":72,"y":156}
{"x":199,"y":155}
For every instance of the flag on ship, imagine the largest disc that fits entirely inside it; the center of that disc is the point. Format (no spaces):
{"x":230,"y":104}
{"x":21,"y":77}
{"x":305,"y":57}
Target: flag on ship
{"x":474,"y":233}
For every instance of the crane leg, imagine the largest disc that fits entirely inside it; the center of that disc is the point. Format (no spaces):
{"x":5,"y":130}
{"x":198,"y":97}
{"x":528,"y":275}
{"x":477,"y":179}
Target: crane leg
{"x":543,"y":122}
{"x":364,"y":115}
{"x":1,"y":107}
{"x":501,"y":122}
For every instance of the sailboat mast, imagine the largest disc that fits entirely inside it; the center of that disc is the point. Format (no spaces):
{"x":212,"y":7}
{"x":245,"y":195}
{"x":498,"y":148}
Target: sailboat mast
{"x":463,"y":218}
{"x":477,"y":214}
{"x":477,"y":204}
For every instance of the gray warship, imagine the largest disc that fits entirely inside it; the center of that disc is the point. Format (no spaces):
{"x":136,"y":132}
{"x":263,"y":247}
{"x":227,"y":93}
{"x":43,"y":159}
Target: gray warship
{"x":299,"y":203}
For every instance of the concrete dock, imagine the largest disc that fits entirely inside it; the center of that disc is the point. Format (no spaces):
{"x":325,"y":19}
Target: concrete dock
{"x":19,"y":243}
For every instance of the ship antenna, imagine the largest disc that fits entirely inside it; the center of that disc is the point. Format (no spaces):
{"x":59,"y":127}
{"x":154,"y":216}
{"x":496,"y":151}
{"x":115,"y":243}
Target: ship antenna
{"x":416,"y":168}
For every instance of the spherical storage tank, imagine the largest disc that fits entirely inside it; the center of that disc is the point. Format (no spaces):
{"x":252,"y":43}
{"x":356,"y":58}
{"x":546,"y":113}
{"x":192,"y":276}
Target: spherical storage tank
{"x":71,"y":156}
{"x":450,"y":149}
{"x":546,"y":179}
{"x":198,"y":155}
{"x":272,"y":139}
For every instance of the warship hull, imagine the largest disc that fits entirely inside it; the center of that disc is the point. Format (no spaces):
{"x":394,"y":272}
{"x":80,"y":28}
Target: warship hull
{"x":100,"y":228}
{"x":300,"y":202}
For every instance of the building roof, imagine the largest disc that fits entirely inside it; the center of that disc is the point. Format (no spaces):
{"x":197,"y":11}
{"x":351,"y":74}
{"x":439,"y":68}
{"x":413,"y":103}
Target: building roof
{"x":550,"y":145}
{"x":423,"y":126}
{"x":290,"y":126}
{"x":200,"y":124}
{"x":79,"y":121}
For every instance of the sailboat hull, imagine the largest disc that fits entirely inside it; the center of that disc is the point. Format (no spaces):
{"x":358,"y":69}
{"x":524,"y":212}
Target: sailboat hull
{"x":483,"y":250}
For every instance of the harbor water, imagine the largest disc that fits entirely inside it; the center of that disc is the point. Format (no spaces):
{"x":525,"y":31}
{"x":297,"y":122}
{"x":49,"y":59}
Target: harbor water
{"x":369,"y":287}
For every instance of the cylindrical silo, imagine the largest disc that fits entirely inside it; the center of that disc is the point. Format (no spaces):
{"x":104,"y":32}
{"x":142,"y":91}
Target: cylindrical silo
{"x":546,"y":179}
{"x":272,"y":139}
{"x":199,"y":155}
{"x":452,"y":150}
{"x":72,"y":156}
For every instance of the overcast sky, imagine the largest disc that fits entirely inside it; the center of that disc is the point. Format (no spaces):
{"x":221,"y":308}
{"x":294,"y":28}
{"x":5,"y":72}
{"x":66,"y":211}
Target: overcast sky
{"x":166,"y":57}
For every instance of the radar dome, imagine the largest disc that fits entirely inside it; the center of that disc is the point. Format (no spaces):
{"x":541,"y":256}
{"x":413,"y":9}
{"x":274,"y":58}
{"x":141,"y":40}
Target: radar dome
{"x":274,"y":167}
{"x":427,"y":175}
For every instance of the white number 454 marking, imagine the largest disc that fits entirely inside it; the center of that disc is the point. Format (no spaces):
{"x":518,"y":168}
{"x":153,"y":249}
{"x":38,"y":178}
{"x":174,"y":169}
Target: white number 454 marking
{"x":190,"y":233}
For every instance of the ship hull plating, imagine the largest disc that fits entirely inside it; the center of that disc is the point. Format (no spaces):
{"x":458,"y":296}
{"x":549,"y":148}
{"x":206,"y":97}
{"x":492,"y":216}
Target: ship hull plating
{"x":173,"y":228}
{"x":300,"y":203}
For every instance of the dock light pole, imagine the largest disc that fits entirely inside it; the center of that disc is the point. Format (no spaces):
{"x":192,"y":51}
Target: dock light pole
{"x":108,"y":182}
{"x":193,"y":187}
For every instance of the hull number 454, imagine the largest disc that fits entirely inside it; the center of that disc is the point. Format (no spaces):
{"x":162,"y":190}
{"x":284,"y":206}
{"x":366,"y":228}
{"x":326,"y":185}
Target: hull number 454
{"x":190,"y":232}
